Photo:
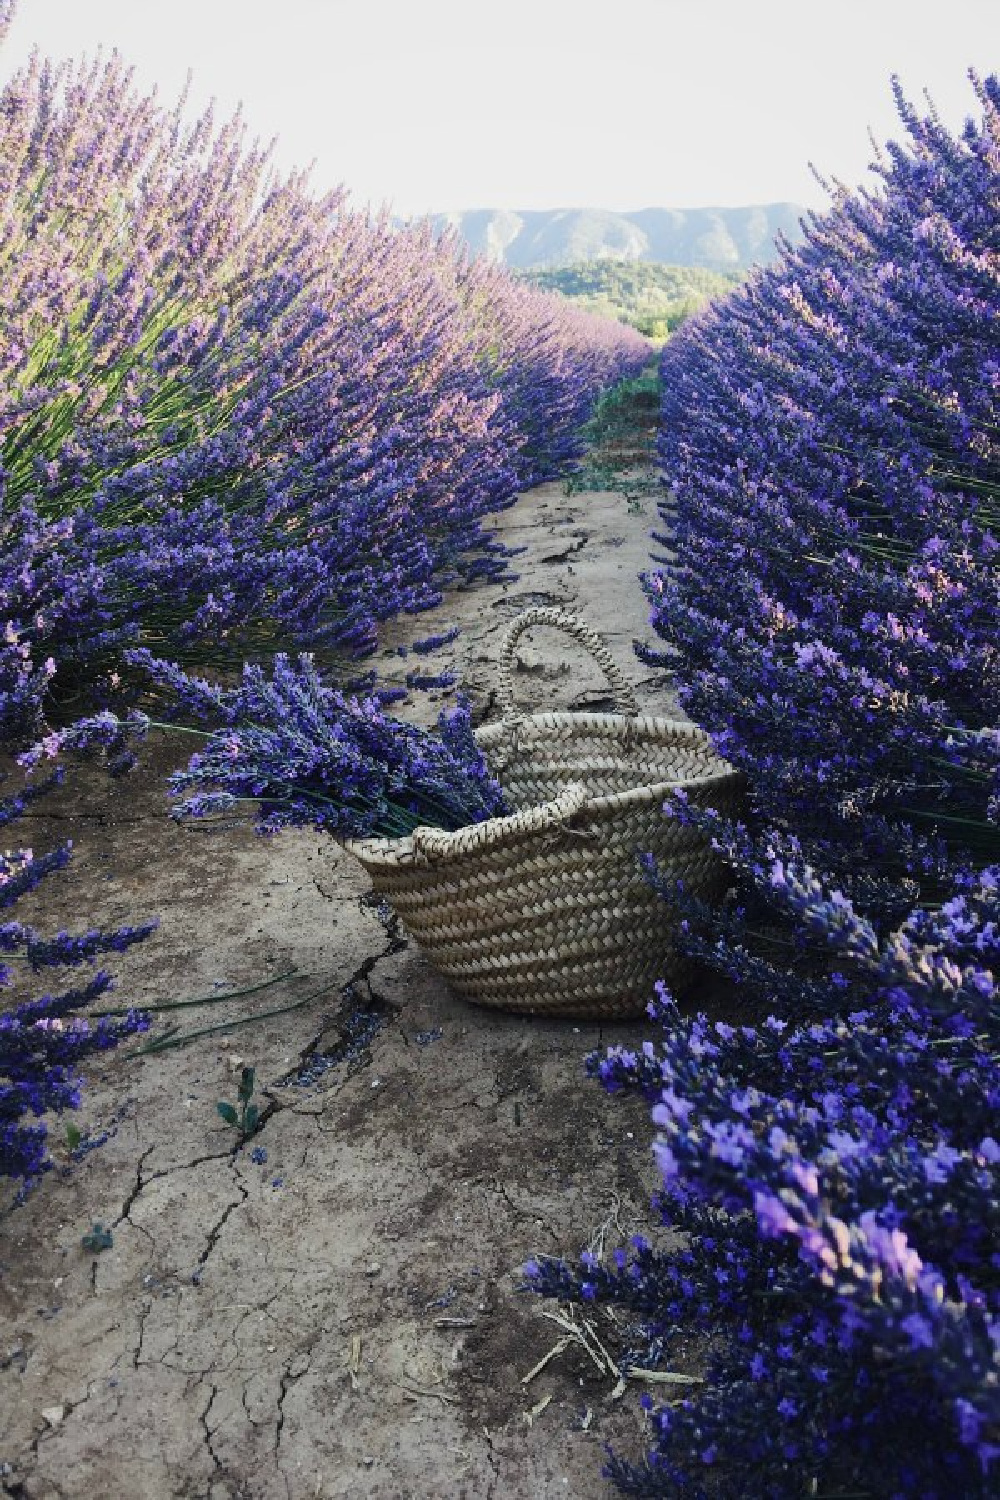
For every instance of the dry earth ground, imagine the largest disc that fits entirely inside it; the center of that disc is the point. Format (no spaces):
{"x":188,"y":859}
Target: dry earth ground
{"x":342,"y":1319}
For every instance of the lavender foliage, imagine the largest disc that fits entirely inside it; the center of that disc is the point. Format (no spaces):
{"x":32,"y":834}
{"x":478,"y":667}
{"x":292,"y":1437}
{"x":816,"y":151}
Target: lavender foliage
{"x":829,"y":1151}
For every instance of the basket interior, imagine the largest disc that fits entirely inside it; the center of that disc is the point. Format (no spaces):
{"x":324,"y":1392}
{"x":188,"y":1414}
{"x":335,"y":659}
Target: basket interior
{"x":540,"y":757}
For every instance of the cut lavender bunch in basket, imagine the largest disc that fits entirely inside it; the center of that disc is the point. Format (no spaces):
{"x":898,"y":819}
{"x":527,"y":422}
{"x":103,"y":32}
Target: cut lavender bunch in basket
{"x":310,"y":755}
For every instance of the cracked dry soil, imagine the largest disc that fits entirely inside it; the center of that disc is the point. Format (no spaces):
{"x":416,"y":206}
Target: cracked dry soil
{"x":342,"y":1318}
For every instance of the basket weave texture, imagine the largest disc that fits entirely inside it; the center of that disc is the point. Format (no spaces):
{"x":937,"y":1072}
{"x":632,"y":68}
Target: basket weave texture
{"x":546,"y":911}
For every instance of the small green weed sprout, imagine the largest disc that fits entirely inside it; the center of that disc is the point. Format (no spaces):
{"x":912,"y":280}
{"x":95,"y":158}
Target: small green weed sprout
{"x":97,"y":1239}
{"x":244,"y":1116}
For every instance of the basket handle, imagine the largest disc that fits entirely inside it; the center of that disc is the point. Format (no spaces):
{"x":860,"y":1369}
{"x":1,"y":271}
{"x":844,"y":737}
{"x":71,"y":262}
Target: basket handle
{"x":572,"y":625}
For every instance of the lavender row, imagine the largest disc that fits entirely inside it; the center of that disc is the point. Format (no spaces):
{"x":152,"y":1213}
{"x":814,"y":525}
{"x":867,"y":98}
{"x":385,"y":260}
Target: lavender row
{"x":234,"y":411}
{"x":829,"y":1153}
{"x":233,"y":414}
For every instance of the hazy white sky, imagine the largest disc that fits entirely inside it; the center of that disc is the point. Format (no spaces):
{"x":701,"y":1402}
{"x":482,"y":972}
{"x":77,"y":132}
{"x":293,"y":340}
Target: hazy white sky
{"x":622,"y":104}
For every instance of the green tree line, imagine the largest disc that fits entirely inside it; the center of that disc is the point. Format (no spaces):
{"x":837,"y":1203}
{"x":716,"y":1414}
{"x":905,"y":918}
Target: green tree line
{"x":651,"y":297}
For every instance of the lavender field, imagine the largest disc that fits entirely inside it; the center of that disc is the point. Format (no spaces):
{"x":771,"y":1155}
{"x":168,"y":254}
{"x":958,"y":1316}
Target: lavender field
{"x":275,"y":476}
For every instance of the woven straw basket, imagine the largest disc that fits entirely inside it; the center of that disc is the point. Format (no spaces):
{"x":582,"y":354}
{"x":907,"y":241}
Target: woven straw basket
{"x":546,"y":911}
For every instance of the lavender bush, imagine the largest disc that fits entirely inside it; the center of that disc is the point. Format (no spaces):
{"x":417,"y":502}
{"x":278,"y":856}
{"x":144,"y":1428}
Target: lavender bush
{"x":44,"y":1040}
{"x":233,"y":409}
{"x":833,"y":1171}
{"x":829,"y":1152}
{"x":830,"y":441}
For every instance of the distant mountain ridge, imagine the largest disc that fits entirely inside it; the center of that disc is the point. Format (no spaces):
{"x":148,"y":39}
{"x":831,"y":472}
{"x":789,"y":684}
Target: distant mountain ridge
{"x":719,"y":239}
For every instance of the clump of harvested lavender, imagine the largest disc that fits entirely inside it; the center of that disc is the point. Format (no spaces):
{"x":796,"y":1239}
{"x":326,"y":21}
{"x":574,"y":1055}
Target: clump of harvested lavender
{"x":307,"y":754}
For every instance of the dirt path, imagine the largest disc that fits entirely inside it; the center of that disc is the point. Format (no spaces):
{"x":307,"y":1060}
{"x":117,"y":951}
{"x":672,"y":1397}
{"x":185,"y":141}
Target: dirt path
{"x":340,"y":1319}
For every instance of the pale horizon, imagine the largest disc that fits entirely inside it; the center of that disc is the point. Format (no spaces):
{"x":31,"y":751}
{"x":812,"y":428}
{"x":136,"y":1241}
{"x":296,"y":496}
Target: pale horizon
{"x":545,"y":105}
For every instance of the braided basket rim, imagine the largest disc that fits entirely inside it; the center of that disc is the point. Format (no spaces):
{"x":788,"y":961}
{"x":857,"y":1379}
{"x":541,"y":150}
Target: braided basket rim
{"x":565,"y":811}
{"x":615,"y":726}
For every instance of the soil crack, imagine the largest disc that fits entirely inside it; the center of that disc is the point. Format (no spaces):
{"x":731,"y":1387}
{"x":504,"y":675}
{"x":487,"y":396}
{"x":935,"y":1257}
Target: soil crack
{"x":362,"y":1013}
{"x":533,"y":1213}
{"x":295,"y":1368}
{"x":209,"y":1433}
{"x":491,"y":1459}
{"x":136,"y":1188}
{"x":582,"y":538}
{"x":220,"y":1224}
